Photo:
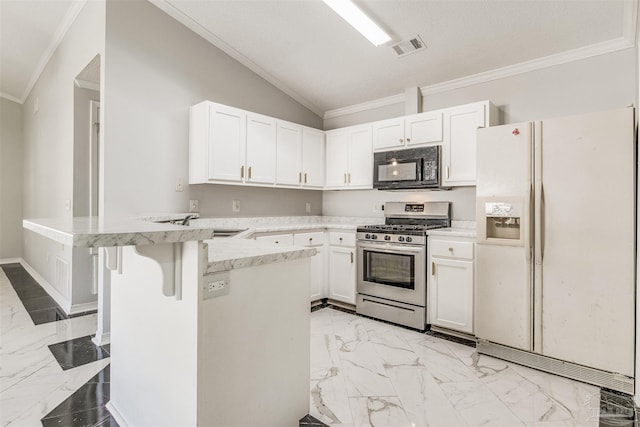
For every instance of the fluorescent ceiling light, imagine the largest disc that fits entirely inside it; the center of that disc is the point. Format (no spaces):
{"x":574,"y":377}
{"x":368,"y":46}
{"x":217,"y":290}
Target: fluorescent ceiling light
{"x":358,"y":20}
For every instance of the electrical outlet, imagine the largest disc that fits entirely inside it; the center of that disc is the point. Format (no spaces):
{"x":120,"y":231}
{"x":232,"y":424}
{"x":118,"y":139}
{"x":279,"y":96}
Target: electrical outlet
{"x":179,"y":185}
{"x":235,"y":206}
{"x":193,"y":206}
{"x":307,"y":207}
{"x":216,"y":285}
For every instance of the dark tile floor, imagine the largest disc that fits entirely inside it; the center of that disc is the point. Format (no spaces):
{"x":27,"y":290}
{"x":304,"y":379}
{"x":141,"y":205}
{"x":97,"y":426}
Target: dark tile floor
{"x":77,"y":352}
{"x":86,"y":406}
{"x":40,"y":306}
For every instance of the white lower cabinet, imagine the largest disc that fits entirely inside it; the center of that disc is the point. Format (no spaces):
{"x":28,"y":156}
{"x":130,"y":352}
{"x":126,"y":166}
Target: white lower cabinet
{"x":451,"y":283}
{"x":333,"y":268}
{"x":342,"y":267}
{"x":318,"y":262}
{"x":278,"y":239}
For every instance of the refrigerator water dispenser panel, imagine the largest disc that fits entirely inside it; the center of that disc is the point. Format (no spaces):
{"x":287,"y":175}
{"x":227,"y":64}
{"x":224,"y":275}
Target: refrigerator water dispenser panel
{"x":502,"y":221}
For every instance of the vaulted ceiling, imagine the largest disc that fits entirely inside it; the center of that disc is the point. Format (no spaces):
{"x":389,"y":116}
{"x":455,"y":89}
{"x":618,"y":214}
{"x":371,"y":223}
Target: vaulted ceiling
{"x":309,"y":52}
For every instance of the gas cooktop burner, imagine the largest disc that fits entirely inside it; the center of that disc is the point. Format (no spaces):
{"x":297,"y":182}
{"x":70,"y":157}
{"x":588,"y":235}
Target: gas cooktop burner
{"x":413,"y":229}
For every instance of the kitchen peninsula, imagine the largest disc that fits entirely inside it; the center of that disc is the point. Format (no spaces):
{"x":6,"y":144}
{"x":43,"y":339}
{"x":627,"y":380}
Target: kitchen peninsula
{"x":204,"y":332}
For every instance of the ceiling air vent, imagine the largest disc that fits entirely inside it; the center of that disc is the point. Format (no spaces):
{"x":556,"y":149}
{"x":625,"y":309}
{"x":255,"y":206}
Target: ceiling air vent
{"x":410,"y":45}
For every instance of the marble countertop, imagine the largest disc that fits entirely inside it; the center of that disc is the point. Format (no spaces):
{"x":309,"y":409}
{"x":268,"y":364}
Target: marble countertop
{"x":228,"y":254}
{"x":91,"y":232}
{"x":253,"y":225}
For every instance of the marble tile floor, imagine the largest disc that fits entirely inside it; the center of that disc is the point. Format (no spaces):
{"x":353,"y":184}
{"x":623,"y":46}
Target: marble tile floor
{"x":32,"y":382}
{"x":363,"y":373}
{"x":369,"y":373}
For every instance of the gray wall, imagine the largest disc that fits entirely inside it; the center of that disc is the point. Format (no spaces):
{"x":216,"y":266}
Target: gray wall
{"x":11,"y":179}
{"x":81,"y":149}
{"x":48,"y":115}
{"x":153,"y":74}
{"x":598,"y":83}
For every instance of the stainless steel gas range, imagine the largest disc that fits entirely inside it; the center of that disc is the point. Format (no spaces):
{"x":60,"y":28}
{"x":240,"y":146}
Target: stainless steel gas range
{"x":392,"y":262}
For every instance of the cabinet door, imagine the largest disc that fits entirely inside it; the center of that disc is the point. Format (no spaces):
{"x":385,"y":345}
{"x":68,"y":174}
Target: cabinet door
{"x":459,"y":145}
{"x":451,"y":294}
{"x":423,"y":128}
{"x":227,"y":136}
{"x":289,"y":154}
{"x":317,"y":274}
{"x":388,"y":134}
{"x":261,"y":149}
{"x":342,"y":274}
{"x":361,"y":158}
{"x":312,"y":158}
{"x":337,"y":159}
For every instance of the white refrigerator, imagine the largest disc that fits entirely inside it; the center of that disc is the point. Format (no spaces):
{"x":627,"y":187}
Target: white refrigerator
{"x":555,"y":261}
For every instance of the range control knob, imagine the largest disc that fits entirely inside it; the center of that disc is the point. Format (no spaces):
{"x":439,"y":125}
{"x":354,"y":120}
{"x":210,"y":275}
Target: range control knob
{"x":367,"y":236}
{"x":374,"y":236}
{"x":409,"y":239}
{"x":401,"y":239}
{"x":387,"y":237}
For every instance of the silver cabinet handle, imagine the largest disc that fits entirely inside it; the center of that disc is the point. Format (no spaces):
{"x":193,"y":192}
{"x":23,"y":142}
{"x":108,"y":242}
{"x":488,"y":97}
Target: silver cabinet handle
{"x":249,"y":172}
{"x":242,"y":171}
{"x":305,"y":177}
{"x":300,"y":177}
{"x":351,"y":257}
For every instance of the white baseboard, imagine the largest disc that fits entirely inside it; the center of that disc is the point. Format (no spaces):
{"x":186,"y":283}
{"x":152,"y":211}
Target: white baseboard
{"x":66,"y":306}
{"x":53,"y":292}
{"x":116,"y":415}
{"x":81,"y":308}
{"x":101,"y":340}
{"x":10,"y":261}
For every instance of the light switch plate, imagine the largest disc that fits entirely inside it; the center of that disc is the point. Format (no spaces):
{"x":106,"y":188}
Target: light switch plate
{"x":235,"y":206}
{"x":193,"y":206}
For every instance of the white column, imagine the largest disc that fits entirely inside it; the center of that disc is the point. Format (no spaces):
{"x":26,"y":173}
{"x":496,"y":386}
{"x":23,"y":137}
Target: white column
{"x":103,"y":329}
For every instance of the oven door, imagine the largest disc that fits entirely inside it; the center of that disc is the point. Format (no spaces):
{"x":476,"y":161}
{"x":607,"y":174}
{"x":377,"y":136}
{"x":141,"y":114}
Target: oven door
{"x":393,"y":271}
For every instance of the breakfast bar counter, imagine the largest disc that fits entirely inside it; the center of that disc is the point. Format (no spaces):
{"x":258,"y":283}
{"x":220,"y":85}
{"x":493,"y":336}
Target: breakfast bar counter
{"x":224,"y":321}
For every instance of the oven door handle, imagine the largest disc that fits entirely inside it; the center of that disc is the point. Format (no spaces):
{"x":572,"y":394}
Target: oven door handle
{"x":390,"y":248}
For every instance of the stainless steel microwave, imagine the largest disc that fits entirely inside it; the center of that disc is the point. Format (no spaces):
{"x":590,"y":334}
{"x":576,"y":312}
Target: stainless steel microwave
{"x":411,"y":168}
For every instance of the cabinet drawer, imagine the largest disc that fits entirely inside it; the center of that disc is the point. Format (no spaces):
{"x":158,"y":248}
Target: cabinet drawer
{"x":451,"y":249}
{"x":342,"y":239}
{"x":308,"y":239}
{"x":279,"y":239}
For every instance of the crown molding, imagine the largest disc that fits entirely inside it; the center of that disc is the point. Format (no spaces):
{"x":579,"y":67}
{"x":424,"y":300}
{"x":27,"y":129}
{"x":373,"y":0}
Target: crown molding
{"x":85,"y":84}
{"x":369,"y":105}
{"x":508,"y":71}
{"x":65,"y":24}
{"x":11,"y":98}
{"x":203,"y":32}
{"x":533,"y":65}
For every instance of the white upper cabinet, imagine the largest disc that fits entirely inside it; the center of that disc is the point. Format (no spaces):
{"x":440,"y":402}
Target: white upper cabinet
{"x":217,"y":135}
{"x":261,"y":149}
{"x":349,"y":159}
{"x":459,"y":144}
{"x":407,"y":131}
{"x":423,"y":128}
{"x":312,"y":158}
{"x":337,"y":164}
{"x":289,"y":153}
{"x":232,"y":146}
{"x":388,"y":134}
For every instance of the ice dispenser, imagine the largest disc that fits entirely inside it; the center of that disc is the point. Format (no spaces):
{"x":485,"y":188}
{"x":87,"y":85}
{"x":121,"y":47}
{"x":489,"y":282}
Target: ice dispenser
{"x":501,"y":221}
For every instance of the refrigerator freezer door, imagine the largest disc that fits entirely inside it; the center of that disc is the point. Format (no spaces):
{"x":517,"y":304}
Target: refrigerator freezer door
{"x":503,"y":296}
{"x":503,"y":291}
{"x":586,"y":235}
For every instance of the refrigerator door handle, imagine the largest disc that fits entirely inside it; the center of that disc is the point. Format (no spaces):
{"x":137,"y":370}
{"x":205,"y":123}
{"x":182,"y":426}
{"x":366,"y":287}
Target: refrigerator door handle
{"x":527,"y":224}
{"x":538,"y":223}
